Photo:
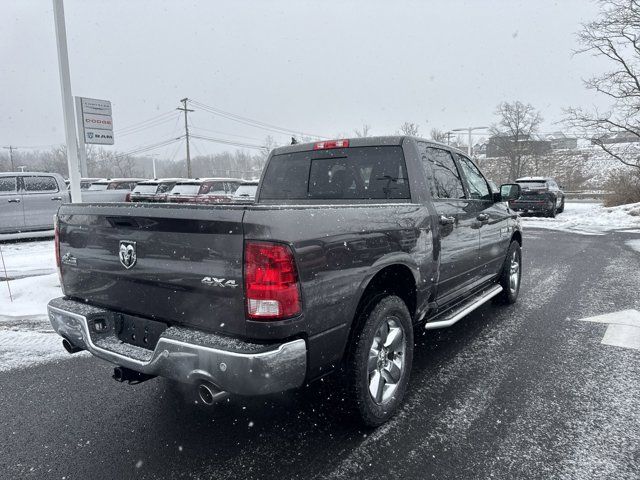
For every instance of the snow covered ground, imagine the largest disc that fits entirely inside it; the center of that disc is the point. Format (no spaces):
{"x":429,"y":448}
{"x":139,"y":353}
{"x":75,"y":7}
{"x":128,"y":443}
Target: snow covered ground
{"x":590,"y":219}
{"x":26,"y":337}
{"x":24,"y":259}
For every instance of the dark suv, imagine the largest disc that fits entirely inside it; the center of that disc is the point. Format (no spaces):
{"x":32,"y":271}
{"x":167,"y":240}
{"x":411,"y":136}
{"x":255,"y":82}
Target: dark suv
{"x":539,"y":195}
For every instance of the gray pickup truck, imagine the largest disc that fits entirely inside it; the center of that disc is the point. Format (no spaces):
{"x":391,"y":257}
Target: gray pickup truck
{"x":349,"y":246}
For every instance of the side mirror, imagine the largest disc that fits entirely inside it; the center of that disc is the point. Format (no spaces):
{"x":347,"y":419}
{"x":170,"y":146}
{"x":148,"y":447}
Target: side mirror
{"x":509,"y":191}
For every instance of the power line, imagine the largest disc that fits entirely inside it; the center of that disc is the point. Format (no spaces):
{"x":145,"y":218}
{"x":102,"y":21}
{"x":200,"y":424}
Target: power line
{"x":145,"y":148}
{"x":147,"y":126}
{"x":138,"y":124}
{"x":227,"y":142}
{"x":251,"y":122}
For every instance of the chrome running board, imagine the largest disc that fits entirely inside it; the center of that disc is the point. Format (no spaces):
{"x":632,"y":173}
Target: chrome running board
{"x":466,"y":308}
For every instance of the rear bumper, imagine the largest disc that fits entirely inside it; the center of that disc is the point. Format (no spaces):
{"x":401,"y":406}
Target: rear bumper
{"x":533,"y":206}
{"x":186,"y":355}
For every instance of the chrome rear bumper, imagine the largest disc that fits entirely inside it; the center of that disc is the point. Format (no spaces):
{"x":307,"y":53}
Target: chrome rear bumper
{"x":186,"y":355}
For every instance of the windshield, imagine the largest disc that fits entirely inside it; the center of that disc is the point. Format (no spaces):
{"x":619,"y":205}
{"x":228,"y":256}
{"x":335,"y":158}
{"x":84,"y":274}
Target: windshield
{"x":98,"y":186}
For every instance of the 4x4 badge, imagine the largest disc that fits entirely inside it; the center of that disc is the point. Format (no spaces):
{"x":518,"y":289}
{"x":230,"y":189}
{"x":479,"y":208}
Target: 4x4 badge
{"x":218,"y":282}
{"x":127,"y":254}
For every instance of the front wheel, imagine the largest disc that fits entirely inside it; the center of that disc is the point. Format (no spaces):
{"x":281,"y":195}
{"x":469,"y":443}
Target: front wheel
{"x":511,"y":275}
{"x":380,"y":363}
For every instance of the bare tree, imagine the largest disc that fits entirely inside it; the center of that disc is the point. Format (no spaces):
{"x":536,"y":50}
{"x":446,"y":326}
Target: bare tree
{"x":438,"y":135}
{"x":516,"y":124}
{"x":615,"y":37}
{"x":409,"y":128}
{"x":364,"y":132}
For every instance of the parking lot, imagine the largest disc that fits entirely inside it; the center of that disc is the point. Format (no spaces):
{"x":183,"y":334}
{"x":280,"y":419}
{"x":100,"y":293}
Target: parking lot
{"x":527,"y":391}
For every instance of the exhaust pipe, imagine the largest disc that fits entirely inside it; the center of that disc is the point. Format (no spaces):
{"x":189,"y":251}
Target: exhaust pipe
{"x":123,"y":374}
{"x":210,"y":394}
{"x":69,"y":347}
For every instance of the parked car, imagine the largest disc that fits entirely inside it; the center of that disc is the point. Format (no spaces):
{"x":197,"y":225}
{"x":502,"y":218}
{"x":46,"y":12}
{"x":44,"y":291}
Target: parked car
{"x":539,"y":195}
{"x":30,"y":200}
{"x":110,"y":190}
{"x":246,"y":192}
{"x":349,"y":246}
{"x":153,"y":190}
{"x":204,"y":190}
{"x":85,"y":183}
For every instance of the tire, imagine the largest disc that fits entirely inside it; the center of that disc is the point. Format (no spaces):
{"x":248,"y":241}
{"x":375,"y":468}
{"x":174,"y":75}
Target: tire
{"x":377,"y":377}
{"x":551,"y":213}
{"x":509,"y":294}
{"x":561,"y":209}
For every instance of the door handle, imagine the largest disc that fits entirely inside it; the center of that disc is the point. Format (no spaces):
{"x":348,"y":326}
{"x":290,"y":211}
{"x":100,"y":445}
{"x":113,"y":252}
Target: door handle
{"x":14,"y":200}
{"x":483,"y":217}
{"x":56,"y":198}
{"x":447,"y":220}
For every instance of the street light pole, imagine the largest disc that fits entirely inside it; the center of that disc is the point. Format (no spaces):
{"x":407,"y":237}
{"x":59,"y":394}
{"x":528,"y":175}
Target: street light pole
{"x":469,"y":130}
{"x":67,"y":101}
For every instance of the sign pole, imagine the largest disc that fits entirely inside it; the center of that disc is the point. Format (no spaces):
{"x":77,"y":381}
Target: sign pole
{"x":67,"y":101}
{"x":82,"y":147}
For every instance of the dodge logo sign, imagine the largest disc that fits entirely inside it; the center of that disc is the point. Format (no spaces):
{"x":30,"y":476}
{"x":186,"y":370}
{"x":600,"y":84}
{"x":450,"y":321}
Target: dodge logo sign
{"x":128,"y":257}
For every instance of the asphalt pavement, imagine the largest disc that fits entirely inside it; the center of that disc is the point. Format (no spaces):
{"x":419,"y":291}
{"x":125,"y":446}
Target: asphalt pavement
{"x":526,"y":391}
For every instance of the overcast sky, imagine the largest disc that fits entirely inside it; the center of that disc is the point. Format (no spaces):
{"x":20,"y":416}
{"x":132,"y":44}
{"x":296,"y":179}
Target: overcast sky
{"x":321,"y":67}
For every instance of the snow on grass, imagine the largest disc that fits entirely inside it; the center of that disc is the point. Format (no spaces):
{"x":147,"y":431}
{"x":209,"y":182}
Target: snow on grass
{"x":30,"y":296}
{"x":23,"y":259}
{"x":26,"y":336}
{"x":590,"y":219}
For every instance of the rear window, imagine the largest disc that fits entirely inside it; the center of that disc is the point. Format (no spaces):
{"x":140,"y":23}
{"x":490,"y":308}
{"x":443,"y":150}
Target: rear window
{"x":146,"y":188}
{"x":186,"y":189}
{"x":248,"y":191}
{"x":213,"y":188}
{"x":360,"y":173}
{"x":532,"y":184}
{"x":98,"y":186}
{"x":165,"y":187}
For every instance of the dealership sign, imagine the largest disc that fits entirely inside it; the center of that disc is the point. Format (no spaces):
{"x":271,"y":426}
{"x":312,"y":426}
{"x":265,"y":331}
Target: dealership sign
{"x":95,"y":124}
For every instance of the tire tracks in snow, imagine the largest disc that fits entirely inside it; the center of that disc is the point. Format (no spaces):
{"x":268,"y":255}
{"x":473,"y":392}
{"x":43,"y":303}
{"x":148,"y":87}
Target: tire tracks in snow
{"x":487,"y":356}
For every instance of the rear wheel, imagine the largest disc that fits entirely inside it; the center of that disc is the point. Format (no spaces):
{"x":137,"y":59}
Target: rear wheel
{"x":553,"y":210}
{"x":380,"y":362}
{"x":561,"y":208}
{"x":511,"y":275}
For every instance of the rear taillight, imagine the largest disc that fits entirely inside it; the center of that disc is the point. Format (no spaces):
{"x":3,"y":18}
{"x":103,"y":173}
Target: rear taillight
{"x":331,"y":144}
{"x":127,"y":197}
{"x":271,"y":281}
{"x":56,"y":240}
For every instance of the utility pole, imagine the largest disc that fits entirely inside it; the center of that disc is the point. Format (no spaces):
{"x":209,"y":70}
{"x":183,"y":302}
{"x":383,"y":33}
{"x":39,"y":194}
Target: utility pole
{"x":469,"y":130}
{"x":11,"y":149}
{"x":67,"y":101}
{"x":186,"y":132}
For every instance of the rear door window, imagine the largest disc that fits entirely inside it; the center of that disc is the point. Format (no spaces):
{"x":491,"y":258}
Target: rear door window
{"x":359,"y":173}
{"x":40,"y":184}
{"x":8,"y":185}
{"x":445,"y":179}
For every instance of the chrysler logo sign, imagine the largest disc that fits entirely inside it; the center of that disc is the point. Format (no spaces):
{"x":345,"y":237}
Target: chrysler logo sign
{"x":127,"y":254}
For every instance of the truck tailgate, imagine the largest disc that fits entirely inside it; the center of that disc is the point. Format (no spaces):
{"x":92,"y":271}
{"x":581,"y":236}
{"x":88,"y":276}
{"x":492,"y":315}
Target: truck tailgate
{"x":180,"y":264}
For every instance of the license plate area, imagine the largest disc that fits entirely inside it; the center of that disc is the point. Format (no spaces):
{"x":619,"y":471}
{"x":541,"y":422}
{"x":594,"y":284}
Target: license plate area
{"x":140,"y":332}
